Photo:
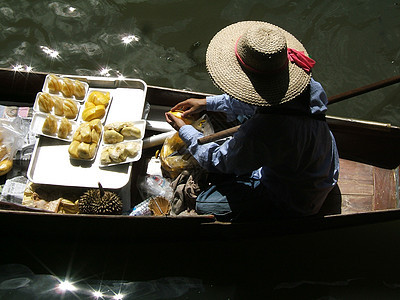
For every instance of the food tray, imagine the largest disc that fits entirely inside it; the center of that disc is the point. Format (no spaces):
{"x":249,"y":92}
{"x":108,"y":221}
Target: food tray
{"x":37,"y":124}
{"x":61,"y":77}
{"x":36,"y":106}
{"x":103,"y":119}
{"x":141,"y":124}
{"x":50,"y":162}
{"x":97,"y":148}
{"x":128,"y":159}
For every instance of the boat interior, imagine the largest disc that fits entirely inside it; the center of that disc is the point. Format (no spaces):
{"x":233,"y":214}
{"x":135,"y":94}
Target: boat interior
{"x":369,"y":176}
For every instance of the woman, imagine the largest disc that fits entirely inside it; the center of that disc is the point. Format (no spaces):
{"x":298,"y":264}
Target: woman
{"x":283,"y":160}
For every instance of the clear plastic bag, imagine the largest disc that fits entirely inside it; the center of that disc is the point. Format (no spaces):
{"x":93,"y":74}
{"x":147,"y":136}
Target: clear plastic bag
{"x":174,"y":156}
{"x":11,"y":140}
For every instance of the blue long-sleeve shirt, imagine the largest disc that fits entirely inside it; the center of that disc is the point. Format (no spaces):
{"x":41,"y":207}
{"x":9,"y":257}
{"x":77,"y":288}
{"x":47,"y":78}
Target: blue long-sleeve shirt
{"x":294,"y":155}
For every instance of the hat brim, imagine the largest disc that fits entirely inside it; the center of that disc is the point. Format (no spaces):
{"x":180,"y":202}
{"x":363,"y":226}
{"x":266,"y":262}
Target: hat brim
{"x":257,"y":89}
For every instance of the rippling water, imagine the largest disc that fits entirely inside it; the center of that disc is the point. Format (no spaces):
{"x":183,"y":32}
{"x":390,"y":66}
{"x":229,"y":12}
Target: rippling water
{"x":164,"y":41}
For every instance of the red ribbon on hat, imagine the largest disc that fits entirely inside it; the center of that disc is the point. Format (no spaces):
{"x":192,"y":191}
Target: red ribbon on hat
{"x":300,"y":59}
{"x":295,"y":56}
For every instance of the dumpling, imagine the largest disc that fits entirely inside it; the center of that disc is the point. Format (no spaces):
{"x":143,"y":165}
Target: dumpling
{"x":54,"y":84}
{"x":112,"y":137}
{"x":67,"y":87}
{"x":45,"y":102}
{"x":64,"y":129}
{"x":70,"y":109}
{"x":79,"y":91}
{"x":50,"y":125}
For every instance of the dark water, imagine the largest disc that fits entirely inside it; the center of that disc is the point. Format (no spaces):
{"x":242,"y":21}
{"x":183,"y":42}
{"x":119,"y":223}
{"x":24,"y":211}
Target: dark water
{"x":164,"y":42}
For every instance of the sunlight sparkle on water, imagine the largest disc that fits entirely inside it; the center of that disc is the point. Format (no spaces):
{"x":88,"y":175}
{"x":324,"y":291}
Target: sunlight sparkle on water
{"x":98,"y":294}
{"x":50,"y":52}
{"x":127,"y":39}
{"x":105,"y":71}
{"x":118,"y":297}
{"x":66,"y":286}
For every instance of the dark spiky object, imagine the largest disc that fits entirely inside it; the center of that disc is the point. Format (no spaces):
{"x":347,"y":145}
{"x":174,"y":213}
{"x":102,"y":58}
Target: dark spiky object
{"x":100,"y":202}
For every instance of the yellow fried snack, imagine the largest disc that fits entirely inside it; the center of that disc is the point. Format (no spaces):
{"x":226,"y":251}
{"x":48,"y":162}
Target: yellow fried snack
{"x":91,"y":113}
{"x":54,"y":84}
{"x":58,"y":106}
{"x":73,"y":149}
{"x":70,"y":109}
{"x":80,"y":90}
{"x":45,"y":102}
{"x":50,"y":125}
{"x":64,"y":129}
{"x":67,"y":88}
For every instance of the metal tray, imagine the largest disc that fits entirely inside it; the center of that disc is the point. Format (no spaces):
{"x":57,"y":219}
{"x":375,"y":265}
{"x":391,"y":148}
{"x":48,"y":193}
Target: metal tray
{"x":50,"y":162}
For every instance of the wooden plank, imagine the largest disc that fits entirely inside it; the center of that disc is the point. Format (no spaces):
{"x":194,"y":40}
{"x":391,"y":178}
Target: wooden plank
{"x":356,"y":187}
{"x":356,"y":203}
{"x":385,"y":189}
{"x":354,"y":170}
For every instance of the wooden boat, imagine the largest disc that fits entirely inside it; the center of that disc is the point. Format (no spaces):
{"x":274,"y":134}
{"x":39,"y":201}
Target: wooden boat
{"x":361,"y":212}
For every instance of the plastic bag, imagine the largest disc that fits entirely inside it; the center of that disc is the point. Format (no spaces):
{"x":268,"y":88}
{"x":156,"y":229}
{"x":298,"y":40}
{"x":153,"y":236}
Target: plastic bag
{"x":155,"y":185}
{"x":11,"y":140}
{"x":174,"y":156}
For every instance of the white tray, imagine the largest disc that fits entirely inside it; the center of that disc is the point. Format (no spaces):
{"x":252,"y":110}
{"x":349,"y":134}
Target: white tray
{"x":50,"y":162}
{"x":36,"y":106}
{"x":37,"y":124}
{"x":103,"y":119}
{"x":141,"y":124}
{"x":128,"y":159}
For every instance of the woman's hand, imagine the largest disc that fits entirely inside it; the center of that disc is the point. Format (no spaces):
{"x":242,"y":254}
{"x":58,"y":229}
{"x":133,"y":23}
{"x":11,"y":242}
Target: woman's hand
{"x":175,"y":122}
{"x":190,"y":106}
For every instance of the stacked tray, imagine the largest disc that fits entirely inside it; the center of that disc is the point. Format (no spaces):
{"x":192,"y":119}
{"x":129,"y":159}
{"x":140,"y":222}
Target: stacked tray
{"x":53,"y":161}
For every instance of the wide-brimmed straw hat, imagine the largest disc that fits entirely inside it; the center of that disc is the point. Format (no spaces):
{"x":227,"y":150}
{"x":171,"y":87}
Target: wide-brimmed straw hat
{"x":250,"y":61}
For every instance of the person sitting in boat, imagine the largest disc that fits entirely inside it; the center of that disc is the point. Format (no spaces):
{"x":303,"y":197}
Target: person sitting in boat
{"x":283,"y":159}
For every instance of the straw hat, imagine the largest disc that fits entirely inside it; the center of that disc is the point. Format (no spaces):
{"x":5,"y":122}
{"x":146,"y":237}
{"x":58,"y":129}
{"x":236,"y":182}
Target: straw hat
{"x":249,"y":61}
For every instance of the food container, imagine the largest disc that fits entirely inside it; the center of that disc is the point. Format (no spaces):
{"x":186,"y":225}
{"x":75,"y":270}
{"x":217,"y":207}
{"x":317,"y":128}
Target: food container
{"x":37,"y":109}
{"x":129,"y":159}
{"x":140,"y":124}
{"x":103,"y":119}
{"x":37,"y":125}
{"x":51,"y":164}
{"x":100,"y":134}
{"x":61,"y":79}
